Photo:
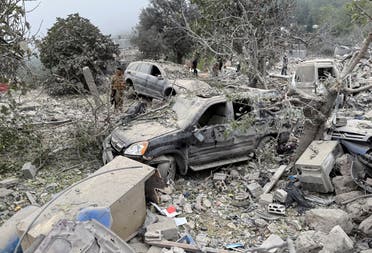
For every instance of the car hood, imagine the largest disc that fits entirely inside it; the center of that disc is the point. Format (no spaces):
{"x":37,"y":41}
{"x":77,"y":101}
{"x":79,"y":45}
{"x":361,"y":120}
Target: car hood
{"x":124,"y":136}
{"x":187,"y":85}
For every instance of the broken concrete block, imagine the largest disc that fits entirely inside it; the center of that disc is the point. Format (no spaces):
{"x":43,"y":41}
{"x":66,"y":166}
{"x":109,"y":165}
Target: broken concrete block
{"x":337,"y":241}
{"x":315,"y":165}
{"x":8,"y":182}
{"x":280,"y":195}
{"x":325,"y":219}
{"x":255,"y":189}
{"x":29,"y":171}
{"x":219,"y":176}
{"x":266,"y":199}
{"x":168,"y":229}
{"x":276,"y":209}
{"x":310,"y":241}
{"x":343,"y":184}
{"x":273,"y":240}
{"x":346,"y":196}
{"x":119,"y":186}
{"x":366,"y":226}
{"x":5,"y":192}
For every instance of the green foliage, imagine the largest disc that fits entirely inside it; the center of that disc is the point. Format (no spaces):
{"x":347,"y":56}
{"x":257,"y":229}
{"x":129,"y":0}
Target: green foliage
{"x":73,"y":43}
{"x":360,"y":11}
{"x":19,"y":141}
{"x":13,"y":28}
{"x":161,"y":30}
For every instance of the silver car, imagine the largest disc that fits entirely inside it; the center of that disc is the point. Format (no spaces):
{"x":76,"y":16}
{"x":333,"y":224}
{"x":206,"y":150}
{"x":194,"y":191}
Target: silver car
{"x":150,"y":79}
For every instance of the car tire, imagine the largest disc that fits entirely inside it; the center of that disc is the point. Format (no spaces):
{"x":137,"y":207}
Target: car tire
{"x":168,"y":169}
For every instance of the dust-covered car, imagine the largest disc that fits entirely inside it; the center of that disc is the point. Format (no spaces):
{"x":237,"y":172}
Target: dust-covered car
{"x":152,"y":80}
{"x":198,"y":133}
{"x":310,"y":75}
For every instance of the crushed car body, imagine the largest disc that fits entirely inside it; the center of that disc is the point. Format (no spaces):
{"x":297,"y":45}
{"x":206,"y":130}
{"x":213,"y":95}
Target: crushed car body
{"x":198,"y":132}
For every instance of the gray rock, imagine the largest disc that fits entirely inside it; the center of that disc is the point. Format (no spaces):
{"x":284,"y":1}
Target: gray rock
{"x":260,"y":222}
{"x":366,"y":226}
{"x":234,"y":174}
{"x":29,"y":171}
{"x":324,"y":220}
{"x":5,"y":192}
{"x":266,"y":199}
{"x":280,"y":195}
{"x":346,"y":196}
{"x":310,"y":241}
{"x":271,"y":241}
{"x":343,"y":184}
{"x":207,"y":203}
{"x":337,"y":241}
{"x":255,"y":189}
{"x":8,"y":182}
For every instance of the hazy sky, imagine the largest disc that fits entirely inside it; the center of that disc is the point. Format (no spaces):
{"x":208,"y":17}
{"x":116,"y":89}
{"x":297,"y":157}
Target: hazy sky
{"x":111,"y":16}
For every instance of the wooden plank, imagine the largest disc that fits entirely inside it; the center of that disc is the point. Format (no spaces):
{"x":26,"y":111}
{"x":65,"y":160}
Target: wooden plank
{"x":274,"y":179}
{"x":186,"y":247}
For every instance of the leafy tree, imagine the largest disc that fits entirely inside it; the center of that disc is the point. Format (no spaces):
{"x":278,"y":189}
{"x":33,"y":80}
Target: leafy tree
{"x":13,"y":28}
{"x":250,"y":29}
{"x":161,"y":30}
{"x":73,"y":43}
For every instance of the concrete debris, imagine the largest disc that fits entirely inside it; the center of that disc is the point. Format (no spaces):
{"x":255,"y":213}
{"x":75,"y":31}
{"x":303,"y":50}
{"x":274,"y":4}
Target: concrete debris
{"x":343,"y":184}
{"x":9,"y":182}
{"x":271,"y":241}
{"x":4,"y":192}
{"x":29,"y":171}
{"x":167,"y":229}
{"x":325,"y":219}
{"x":266,"y":199}
{"x":255,"y":189}
{"x":337,"y":241}
{"x":366,"y":226}
{"x":346,"y":196}
{"x":219,"y":176}
{"x":276,"y":209}
{"x":280,"y":195}
{"x":310,"y":241}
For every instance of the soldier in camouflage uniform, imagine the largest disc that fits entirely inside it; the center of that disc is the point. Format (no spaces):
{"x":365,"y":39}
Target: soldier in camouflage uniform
{"x":117,"y":89}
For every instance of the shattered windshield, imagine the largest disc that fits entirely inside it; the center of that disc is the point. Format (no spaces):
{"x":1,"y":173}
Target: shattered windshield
{"x":305,"y":74}
{"x":185,"y":110}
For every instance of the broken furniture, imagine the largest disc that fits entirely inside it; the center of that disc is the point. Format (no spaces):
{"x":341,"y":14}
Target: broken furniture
{"x":119,"y":186}
{"x":90,"y":237}
{"x":315,"y":165}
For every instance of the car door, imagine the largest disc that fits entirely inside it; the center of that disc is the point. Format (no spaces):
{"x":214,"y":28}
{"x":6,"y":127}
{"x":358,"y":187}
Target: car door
{"x":155,"y":81}
{"x":210,"y":136}
{"x":142,"y":73}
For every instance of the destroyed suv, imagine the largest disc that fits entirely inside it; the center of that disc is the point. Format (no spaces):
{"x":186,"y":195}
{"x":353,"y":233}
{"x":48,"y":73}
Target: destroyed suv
{"x":198,"y":133}
{"x":152,"y":80}
{"x":310,"y":75}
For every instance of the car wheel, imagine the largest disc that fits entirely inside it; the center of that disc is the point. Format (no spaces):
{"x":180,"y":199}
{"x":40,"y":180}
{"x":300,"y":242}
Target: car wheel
{"x":167,"y":169}
{"x":267,"y":149}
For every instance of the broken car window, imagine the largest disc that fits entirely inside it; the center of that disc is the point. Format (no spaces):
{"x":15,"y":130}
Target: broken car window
{"x":155,"y":71}
{"x":241,"y":107}
{"x":305,"y":74}
{"x":214,"y":115}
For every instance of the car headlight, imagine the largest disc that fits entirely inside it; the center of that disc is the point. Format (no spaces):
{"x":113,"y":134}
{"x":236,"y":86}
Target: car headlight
{"x":138,"y":148}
